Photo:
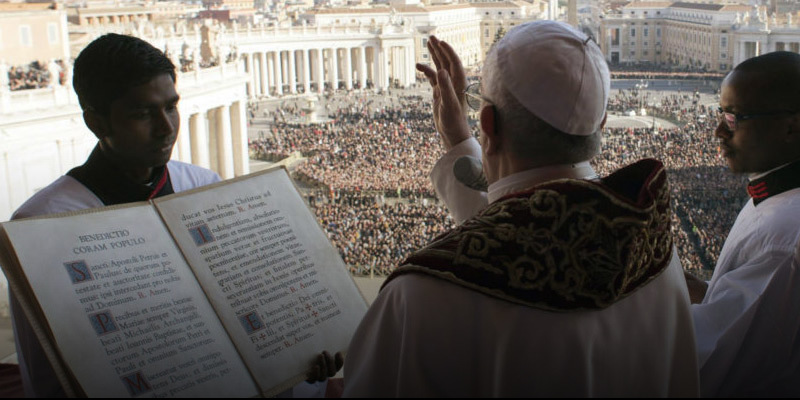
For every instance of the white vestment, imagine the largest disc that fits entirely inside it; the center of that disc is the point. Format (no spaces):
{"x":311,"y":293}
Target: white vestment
{"x":748,"y":325}
{"x":427,"y":337}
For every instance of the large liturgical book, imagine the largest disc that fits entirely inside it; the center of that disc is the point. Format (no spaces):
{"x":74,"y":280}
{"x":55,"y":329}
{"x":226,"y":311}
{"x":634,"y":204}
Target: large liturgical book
{"x":228,"y":290}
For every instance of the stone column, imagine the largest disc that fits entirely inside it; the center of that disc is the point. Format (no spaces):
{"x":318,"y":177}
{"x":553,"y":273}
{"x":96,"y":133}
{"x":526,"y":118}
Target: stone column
{"x":292,"y":71}
{"x":248,"y":62}
{"x":270,"y":72}
{"x":199,"y":139}
{"x":278,"y":73}
{"x":320,"y":72}
{"x":183,"y":150}
{"x":384,"y":67}
{"x":741,"y":56}
{"x":376,"y":67}
{"x":264,"y":80}
{"x":334,"y":68}
{"x":306,"y":71}
{"x":362,"y":67}
{"x":411,"y":74}
{"x":348,"y":68}
{"x":213,"y":153}
{"x":254,"y":75}
{"x":224,"y":142}
{"x":241,"y":154}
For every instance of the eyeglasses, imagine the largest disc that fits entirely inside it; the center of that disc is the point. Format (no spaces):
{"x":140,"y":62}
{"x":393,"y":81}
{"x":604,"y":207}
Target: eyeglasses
{"x":473,"y":96}
{"x":731,"y":119}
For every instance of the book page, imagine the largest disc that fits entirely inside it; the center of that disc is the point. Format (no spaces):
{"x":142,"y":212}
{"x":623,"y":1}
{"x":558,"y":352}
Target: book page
{"x":278,"y":284}
{"x":125,"y":310}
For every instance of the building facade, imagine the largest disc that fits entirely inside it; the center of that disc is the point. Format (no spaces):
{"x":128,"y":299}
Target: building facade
{"x":696,"y":36}
{"x":32,"y":32}
{"x":471,"y":28}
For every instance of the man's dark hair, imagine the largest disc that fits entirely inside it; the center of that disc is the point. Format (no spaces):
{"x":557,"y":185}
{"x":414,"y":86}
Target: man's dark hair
{"x":775,"y":77}
{"x":112,"y":64}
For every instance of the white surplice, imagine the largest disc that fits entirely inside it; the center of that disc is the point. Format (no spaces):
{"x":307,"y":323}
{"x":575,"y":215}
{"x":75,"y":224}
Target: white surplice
{"x":748,"y":325}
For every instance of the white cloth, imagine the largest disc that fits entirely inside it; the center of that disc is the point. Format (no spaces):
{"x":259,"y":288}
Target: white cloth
{"x":67,"y":194}
{"x":427,"y":337}
{"x":463,"y":202}
{"x":522,"y":180}
{"x":748,"y":325}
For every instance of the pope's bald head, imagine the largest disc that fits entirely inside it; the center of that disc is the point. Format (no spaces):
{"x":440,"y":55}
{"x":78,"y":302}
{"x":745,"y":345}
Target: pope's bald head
{"x":773,"y":79}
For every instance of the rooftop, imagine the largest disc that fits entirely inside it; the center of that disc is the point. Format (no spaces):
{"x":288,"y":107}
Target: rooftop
{"x":698,"y":6}
{"x":12,"y":7}
{"x":648,"y":4}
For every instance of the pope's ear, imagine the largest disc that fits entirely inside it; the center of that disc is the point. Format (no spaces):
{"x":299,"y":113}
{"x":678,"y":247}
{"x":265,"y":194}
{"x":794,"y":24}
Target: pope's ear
{"x":96,"y":122}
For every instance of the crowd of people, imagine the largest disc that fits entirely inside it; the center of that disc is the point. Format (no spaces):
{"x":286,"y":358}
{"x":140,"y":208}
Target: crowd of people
{"x":705,"y":195}
{"x":35,"y":75}
{"x":374,"y":235}
{"x":640,"y":71}
{"x":367,"y":153}
{"x":389,"y":149}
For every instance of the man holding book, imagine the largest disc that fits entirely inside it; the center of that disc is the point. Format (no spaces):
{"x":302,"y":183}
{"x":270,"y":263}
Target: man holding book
{"x":560,"y":283}
{"x":126,"y":88}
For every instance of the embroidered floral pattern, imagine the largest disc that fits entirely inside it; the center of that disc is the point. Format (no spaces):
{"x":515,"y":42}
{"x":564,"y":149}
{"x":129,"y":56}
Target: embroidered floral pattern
{"x":563,"y":245}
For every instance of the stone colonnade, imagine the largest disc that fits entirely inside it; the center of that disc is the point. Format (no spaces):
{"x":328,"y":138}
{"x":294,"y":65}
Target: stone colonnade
{"x":215,"y":138}
{"x":313,"y":69}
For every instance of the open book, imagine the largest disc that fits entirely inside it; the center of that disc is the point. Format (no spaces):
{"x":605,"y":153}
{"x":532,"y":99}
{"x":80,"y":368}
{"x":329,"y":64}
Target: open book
{"x":228,"y":290}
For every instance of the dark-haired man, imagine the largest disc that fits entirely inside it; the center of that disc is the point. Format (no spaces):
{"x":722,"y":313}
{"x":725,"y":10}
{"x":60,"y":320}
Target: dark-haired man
{"x":748,"y":321}
{"x":126,"y":88}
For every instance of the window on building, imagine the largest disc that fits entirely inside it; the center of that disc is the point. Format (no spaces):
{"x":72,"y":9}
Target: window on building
{"x":645,"y":44}
{"x":615,"y":37}
{"x":723,"y":55}
{"x":723,"y":42}
{"x":25,"y":39}
{"x":633,"y":52}
{"x":723,"y":67}
{"x":424,"y":43}
{"x":646,"y":32}
{"x":644,"y":52}
{"x":633,"y":32}
{"x":658,"y":12}
{"x":658,"y":32}
{"x":486,"y":32}
{"x":52,"y":33}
